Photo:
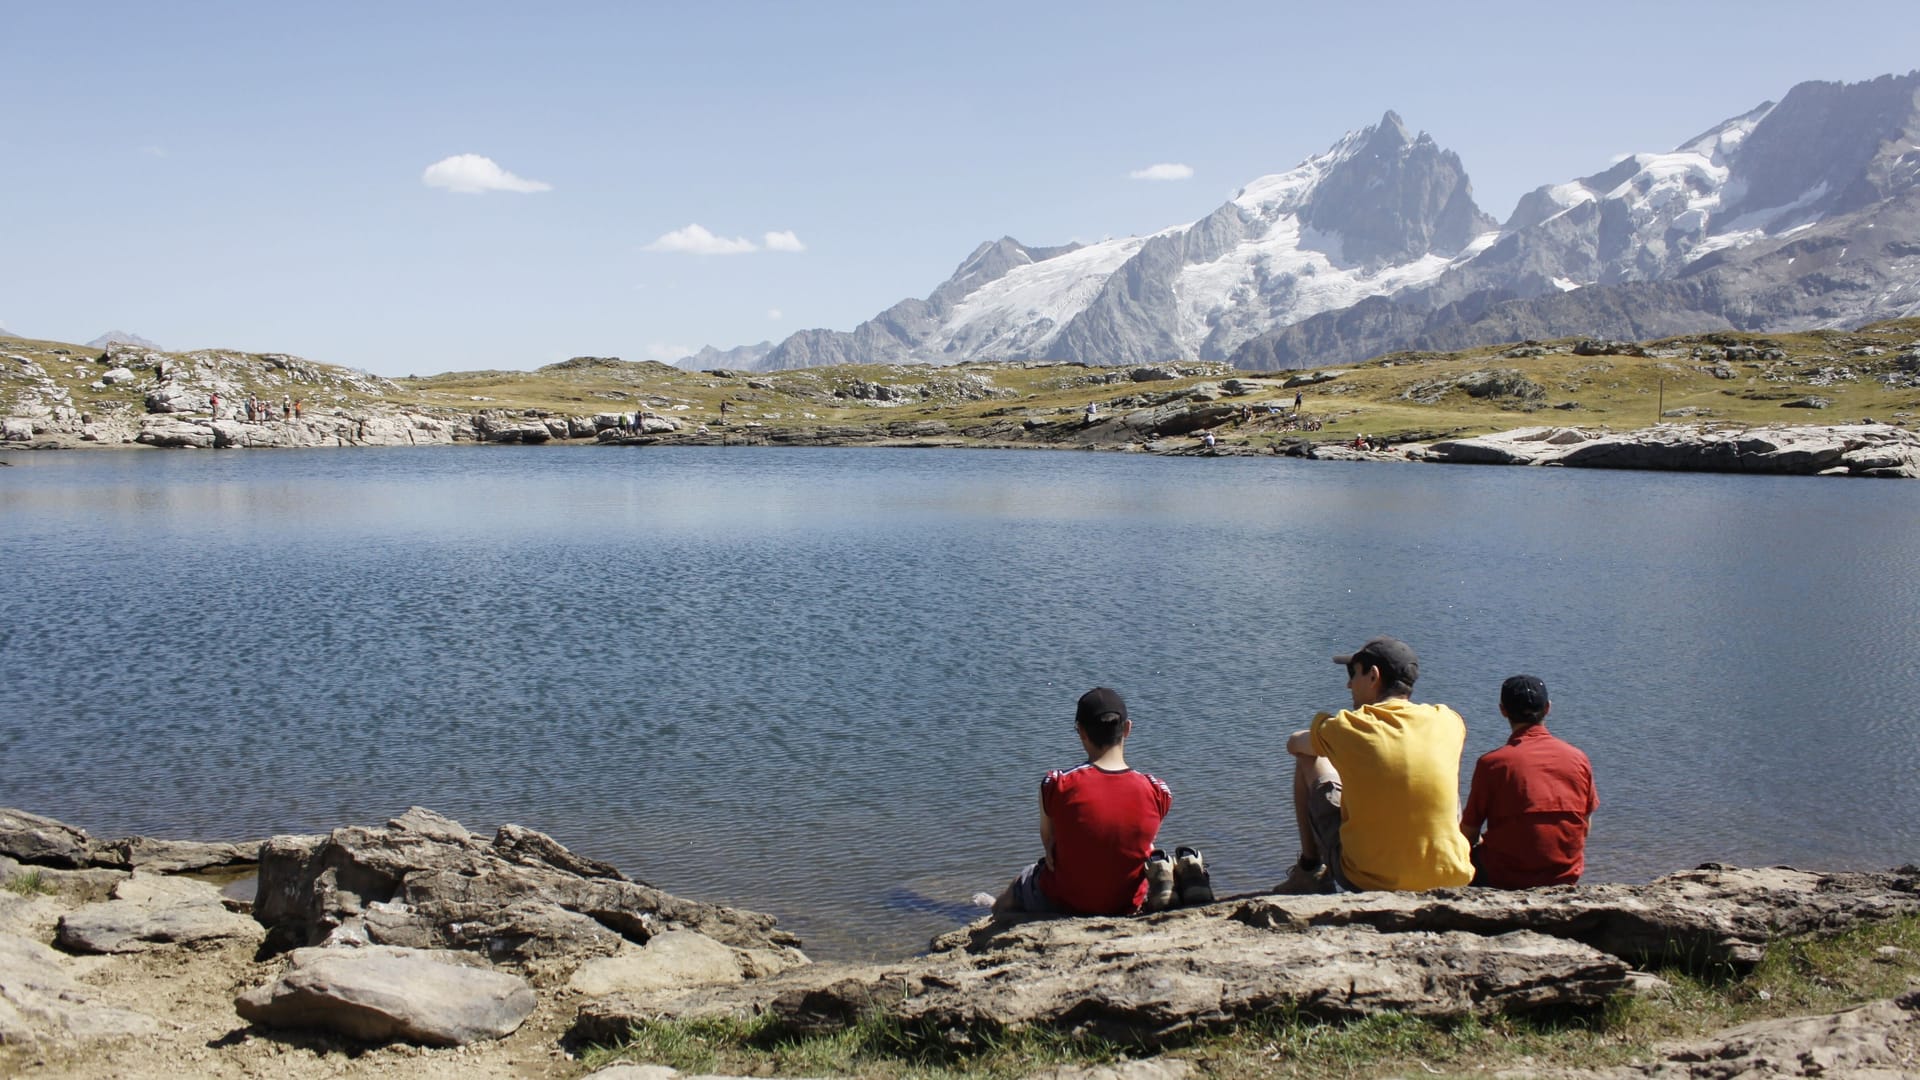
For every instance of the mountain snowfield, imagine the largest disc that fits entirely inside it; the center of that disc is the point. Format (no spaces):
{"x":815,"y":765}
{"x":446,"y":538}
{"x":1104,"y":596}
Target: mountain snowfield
{"x":1376,"y":244}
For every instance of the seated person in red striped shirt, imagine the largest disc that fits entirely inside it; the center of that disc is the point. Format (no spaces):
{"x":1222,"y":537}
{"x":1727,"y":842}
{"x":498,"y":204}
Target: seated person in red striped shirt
{"x":1532,"y":797}
{"x":1097,"y":824}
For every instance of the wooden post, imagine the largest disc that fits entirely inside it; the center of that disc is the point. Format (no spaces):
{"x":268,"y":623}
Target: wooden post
{"x":1660,"y":408}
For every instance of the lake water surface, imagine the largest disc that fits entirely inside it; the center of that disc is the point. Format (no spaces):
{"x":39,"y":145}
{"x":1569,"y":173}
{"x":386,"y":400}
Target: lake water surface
{"x":826,"y":683}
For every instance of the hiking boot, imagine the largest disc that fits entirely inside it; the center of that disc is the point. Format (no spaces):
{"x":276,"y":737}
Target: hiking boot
{"x":1303,"y":880}
{"x":1190,"y":876}
{"x":1159,"y":881}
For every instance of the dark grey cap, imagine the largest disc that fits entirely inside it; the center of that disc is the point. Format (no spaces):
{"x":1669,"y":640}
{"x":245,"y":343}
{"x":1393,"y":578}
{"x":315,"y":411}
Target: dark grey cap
{"x":1523,"y":694}
{"x":1097,"y":703}
{"x":1394,"y":658}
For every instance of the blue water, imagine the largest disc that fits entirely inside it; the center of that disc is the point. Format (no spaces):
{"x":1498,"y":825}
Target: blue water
{"x":825,"y":683}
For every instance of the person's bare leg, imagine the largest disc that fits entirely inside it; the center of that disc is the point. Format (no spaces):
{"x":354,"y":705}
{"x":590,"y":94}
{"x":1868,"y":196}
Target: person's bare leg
{"x":1302,"y":769}
{"x":1309,"y":772}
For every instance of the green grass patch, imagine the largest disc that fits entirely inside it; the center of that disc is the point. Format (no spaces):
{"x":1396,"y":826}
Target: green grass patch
{"x":1798,"y":977}
{"x":30,"y":883}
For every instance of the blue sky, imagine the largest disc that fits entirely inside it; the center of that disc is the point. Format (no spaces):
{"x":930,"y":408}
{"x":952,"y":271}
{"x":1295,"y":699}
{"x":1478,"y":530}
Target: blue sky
{"x":277,"y":177}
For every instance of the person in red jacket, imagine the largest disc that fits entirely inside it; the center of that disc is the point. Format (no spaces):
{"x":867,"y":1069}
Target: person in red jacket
{"x":1097,"y":824}
{"x":1528,"y":809}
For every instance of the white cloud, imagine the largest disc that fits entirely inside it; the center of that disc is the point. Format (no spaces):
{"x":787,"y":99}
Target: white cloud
{"x":471,"y":174}
{"x":667,"y":354}
{"x":696,"y":240}
{"x":784,"y":240}
{"x":154,"y":151}
{"x":775,"y":314}
{"x":1166,"y":170}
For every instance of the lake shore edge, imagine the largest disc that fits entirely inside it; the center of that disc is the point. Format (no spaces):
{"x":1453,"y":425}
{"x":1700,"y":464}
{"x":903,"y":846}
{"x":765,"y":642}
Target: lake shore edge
{"x":1860,"y":450}
{"x":123,"y":954}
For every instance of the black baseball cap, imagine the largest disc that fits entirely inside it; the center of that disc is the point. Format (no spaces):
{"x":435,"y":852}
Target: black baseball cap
{"x":1523,"y":694}
{"x":1098,"y":702}
{"x":1395,"y":659}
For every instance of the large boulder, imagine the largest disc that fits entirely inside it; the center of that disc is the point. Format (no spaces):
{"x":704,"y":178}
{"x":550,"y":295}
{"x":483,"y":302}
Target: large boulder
{"x":149,"y":912}
{"x":168,"y":431}
{"x":502,"y":427}
{"x":423,"y":880}
{"x":379,"y":994}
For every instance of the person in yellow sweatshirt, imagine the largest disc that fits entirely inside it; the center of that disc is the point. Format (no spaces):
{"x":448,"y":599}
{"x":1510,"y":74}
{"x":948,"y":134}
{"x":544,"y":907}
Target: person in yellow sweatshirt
{"x":1376,"y":788}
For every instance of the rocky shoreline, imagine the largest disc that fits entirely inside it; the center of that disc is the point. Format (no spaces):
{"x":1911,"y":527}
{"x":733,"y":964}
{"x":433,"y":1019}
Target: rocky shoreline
{"x":1860,"y":450}
{"x":419,"y":948}
{"x":56,"y":398}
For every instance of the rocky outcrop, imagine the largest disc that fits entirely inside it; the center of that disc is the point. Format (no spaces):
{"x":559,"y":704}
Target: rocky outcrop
{"x":377,"y":994}
{"x":1454,"y":952}
{"x":1146,"y":982}
{"x":1876,"y":450}
{"x":424,"y":881}
{"x":43,"y":842}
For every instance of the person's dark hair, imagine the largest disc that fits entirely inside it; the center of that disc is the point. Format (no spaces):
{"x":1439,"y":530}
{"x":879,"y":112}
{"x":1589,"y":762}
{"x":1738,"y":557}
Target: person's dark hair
{"x":1524,"y":699}
{"x":1393,"y":682}
{"x":1104,"y":730}
{"x":1102,"y":715}
{"x":1399,"y":665}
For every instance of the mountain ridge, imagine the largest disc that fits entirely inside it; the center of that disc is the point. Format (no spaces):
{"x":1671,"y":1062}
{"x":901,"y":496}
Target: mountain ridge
{"x":1376,"y":244}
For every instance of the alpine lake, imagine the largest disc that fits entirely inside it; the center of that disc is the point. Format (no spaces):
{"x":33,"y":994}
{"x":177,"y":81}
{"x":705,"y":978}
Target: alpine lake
{"x":826,"y":683}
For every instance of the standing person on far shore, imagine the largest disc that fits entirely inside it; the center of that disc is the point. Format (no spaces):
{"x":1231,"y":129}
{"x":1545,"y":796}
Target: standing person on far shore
{"x":286,"y":406}
{"x":213,"y":404}
{"x":1533,"y":797}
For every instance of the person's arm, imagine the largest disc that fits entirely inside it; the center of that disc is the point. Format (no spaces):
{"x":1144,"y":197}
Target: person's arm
{"x":1474,"y":818}
{"x":1300,"y":743}
{"x":1046,"y":833}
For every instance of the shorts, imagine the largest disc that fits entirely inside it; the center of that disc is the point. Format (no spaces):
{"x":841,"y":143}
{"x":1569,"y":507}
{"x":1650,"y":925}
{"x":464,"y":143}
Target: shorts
{"x":1323,"y":814}
{"x":1027,"y":894}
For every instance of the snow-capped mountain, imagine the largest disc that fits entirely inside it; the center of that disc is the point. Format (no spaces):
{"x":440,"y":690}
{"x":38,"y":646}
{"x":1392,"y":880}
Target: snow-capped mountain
{"x":121,"y":337}
{"x":1789,"y":216}
{"x":1376,"y":244}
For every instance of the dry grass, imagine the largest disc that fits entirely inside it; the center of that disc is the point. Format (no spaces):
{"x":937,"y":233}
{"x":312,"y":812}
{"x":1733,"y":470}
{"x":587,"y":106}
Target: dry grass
{"x":1380,"y":397}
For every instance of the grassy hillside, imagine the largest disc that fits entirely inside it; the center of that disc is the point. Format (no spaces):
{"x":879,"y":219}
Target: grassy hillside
{"x":1872,"y":372}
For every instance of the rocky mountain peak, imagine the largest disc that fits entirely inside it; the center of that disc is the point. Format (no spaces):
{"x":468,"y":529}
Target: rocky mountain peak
{"x":1821,"y":148}
{"x":1390,"y":197}
{"x":121,"y":337}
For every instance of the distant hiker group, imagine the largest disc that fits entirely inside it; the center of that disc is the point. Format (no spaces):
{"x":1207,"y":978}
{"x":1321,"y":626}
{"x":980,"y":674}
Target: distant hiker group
{"x":258,"y":410}
{"x":1375,"y":802}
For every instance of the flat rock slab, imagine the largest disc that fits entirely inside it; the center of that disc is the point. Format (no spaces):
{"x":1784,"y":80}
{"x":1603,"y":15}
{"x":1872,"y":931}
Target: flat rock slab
{"x":1879,"y":1040}
{"x":149,"y":912}
{"x":1145,"y":981}
{"x":171,"y":856}
{"x":42,"y":841}
{"x":675,"y":959}
{"x":379,"y":994}
{"x":41,"y":1004}
{"x":1701,"y":919}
